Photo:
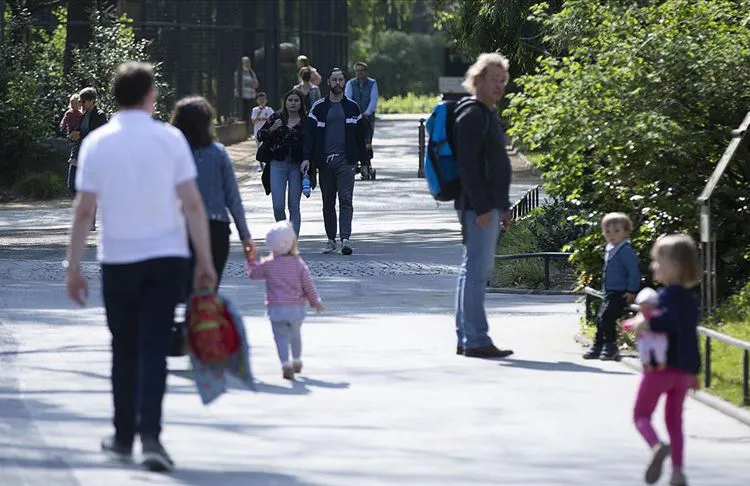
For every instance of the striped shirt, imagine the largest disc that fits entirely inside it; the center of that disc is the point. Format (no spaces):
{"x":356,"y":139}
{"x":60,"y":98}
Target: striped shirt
{"x":288,"y":281}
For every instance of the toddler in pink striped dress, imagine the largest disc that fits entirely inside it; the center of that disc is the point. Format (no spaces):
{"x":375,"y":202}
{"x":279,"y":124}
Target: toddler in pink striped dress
{"x":289,"y":286}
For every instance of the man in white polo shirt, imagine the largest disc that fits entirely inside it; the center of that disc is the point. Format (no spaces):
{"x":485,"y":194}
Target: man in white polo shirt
{"x":141,"y":174}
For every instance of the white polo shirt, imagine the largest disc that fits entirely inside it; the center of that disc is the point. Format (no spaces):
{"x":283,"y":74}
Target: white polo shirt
{"x":134,"y":164}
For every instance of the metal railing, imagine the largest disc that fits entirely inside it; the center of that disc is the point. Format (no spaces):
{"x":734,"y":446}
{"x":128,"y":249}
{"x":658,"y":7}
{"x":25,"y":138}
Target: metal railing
{"x":548,"y":256}
{"x":525,"y":205}
{"x":709,"y":294}
{"x":709,"y":335}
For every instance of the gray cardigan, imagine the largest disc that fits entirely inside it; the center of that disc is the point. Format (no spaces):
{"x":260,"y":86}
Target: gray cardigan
{"x":218,"y":186}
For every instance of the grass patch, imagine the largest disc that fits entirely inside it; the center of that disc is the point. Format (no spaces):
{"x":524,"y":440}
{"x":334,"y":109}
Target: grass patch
{"x":410,"y":103}
{"x":731,"y":318}
{"x":42,"y":185}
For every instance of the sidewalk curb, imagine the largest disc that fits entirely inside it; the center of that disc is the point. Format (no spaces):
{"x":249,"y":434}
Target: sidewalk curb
{"x":717,"y":403}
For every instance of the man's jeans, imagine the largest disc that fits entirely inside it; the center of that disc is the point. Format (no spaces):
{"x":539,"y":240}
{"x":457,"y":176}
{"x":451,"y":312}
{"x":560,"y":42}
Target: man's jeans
{"x":476,"y":269}
{"x":283,"y":172}
{"x":140,"y":300}
{"x":336,"y":176}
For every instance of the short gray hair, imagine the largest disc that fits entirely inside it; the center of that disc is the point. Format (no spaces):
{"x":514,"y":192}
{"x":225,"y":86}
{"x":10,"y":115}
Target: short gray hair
{"x":479,"y":68}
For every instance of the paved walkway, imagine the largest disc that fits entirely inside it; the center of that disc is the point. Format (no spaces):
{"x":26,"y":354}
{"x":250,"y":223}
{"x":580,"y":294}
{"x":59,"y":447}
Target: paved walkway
{"x":383,"y":399}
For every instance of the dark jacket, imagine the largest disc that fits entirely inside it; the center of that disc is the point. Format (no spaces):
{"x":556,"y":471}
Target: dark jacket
{"x":483,"y":163}
{"x":315,"y":132}
{"x":284,"y":141}
{"x":96,"y":119}
{"x":680,"y":312}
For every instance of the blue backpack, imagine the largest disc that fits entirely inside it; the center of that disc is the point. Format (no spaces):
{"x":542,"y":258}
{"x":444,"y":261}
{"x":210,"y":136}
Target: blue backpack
{"x":440,"y":166}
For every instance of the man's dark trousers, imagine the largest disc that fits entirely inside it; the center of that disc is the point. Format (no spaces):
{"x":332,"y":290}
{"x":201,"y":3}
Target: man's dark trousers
{"x":140,"y":300}
{"x":336,"y":176}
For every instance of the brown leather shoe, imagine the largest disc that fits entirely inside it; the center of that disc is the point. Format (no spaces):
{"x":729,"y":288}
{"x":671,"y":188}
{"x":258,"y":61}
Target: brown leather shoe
{"x":489,"y":351}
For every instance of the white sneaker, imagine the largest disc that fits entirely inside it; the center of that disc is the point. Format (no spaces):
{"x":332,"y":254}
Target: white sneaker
{"x":346,"y":247}
{"x":330,"y":247}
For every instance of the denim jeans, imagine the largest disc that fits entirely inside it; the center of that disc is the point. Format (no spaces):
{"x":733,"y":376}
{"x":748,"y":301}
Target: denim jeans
{"x":140,"y":300}
{"x":283,"y":172}
{"x":72,"y":170}
{"x":336,"y":177}
{"x":476,"y":269}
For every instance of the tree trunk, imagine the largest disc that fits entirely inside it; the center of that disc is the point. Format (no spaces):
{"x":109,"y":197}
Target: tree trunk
{"x":79,"y":28}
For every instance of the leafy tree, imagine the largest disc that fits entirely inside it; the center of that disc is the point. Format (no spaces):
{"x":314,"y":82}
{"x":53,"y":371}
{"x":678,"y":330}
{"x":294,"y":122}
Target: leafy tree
{"x":636,"y":116}
{"x":505,"y":26}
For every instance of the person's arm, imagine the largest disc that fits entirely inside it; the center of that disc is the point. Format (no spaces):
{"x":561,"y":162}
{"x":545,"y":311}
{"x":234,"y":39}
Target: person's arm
{"x":348,"y":88}
{"x":257,"y":270}
{"x":666,"y":320}
{"x":314,"y":95}
{"x":255,"y":115}
{"x":265,"y":130}
{"x":308,"y":141}
{"x":469,"y":130}
{"x":254,"y":82}
{"x":233,"y":198}
{"x":308,"y":286}
{"x":633,"y":268}
{"x":361,"y":131}
{"x":64,"y":122}
{"x":373,"y":99}
{"x":315,"y":77}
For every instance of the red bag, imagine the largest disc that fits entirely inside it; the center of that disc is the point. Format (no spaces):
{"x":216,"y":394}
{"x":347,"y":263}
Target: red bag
{"x":210,"y":329}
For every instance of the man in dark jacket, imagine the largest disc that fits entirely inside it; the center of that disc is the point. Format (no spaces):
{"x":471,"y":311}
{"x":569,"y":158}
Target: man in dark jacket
{"x":335,"y":139}
{"x":485,"y":172}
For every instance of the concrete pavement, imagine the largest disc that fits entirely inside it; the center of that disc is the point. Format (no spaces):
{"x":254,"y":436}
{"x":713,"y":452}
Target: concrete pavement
{"x":383,"y":399}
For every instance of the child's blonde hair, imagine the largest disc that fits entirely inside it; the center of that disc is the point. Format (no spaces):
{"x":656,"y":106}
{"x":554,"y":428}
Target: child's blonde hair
{"x":74,"y":97}
{"x":620,"y":219}
{"x":680,"y":249}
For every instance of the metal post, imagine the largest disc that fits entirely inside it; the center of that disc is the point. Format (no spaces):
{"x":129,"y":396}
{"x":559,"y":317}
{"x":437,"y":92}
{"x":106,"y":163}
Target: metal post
{"x":546,"y":273}
{"x":420,"y":170}
{"x":708,"y":362}
{"x":746,"y":377}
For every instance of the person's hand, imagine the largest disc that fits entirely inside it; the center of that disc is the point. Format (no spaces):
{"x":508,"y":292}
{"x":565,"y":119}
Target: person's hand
{"x":643,"y":324}
{"x":366,"y":116}
{"x":75,"y":135}
{"x":484,"y":220}
{"x":319,"y":307}
{"x":695,"y":382}
{"x":77,"y":286}
{"x":204,"y":276}
{"x":630,"y":298}
{"x":276,"y":125}
{"x":507,"y":219}
{"x":248,"y":246}
{"x":304,"y":166}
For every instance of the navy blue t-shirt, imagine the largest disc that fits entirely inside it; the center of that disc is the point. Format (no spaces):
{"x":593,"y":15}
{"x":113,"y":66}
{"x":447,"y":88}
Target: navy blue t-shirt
{"x":679,"y":320}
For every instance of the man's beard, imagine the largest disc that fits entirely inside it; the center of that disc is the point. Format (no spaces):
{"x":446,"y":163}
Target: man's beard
{"x":337,"y":90}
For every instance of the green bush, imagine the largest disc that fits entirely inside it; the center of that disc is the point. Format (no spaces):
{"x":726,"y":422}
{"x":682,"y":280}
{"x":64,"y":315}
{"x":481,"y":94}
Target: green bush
{"x":42,"y":185}
{"x":402,"y":62}
{"x":410,"y":103}
{"x":546,"y":229}
{"x":633,"y":117}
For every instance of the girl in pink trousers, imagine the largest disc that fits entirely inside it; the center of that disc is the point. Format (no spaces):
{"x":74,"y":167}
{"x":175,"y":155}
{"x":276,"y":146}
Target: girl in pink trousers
{"x":289,"y":286}
{"x":674,"y":263}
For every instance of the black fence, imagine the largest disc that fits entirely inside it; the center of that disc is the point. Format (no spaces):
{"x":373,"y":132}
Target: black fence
{"x":200,"y":43}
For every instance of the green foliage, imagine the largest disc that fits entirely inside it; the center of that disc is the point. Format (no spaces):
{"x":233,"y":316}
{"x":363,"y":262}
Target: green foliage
{"x":42,"y":185}
{"x":506,"y":26}
{"x":410,"y":103}
{"x":636,"y":116}
{"x":546,"y":229}
{"x":113,"y":42}
{"x":34,"y":91}
{"x":402,"y":62}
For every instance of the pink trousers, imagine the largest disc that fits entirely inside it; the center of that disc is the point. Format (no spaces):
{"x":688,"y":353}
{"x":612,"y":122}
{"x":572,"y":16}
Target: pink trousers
{"x":675,"y":385}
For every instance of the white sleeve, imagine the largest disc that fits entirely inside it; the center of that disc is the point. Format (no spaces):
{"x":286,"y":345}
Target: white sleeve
{"x":184,"y":164}
{"x":86,"y":180}
{"x":348,"y":89}
{"x":254,"y":113}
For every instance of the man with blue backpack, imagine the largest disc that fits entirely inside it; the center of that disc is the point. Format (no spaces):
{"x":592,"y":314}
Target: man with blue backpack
{"x":466,"y":162}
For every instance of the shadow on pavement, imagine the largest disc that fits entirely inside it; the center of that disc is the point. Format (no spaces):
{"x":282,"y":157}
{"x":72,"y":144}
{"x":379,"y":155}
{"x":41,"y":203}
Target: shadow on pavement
{"x":558,"y":366}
